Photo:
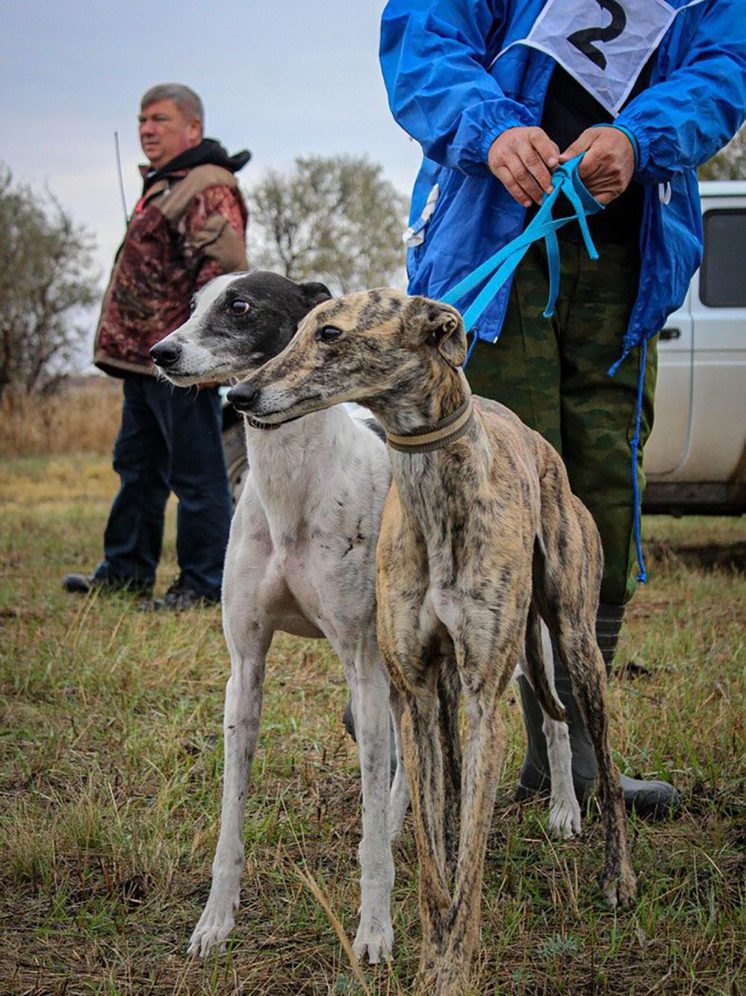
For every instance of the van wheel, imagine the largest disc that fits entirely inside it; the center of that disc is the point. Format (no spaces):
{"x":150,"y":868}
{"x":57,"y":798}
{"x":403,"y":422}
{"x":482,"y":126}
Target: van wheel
{"x":234,"y":450}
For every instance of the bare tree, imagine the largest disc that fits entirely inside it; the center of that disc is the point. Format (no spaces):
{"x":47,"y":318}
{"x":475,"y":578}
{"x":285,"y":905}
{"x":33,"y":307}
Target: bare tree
{"x":45,"y":278}
{"x":333,"y":219}
{"x":729,"y":163}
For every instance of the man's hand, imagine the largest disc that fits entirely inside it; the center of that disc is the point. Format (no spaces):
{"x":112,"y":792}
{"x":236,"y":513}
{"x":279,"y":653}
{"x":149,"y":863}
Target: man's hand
{"x":609,"y":161}
{"x":522,"y":159}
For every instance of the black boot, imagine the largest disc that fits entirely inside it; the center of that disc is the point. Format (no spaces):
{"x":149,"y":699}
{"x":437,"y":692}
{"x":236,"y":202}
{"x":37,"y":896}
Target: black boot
{"x":84,"y":584}
{"x":654,"y":799}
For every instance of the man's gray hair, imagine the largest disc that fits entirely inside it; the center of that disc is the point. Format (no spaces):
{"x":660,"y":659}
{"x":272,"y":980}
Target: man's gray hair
{"x":185,"y":99}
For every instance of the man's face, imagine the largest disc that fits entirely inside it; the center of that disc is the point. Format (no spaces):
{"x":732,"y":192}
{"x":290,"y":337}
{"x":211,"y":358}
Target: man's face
{"x":165,"y":132}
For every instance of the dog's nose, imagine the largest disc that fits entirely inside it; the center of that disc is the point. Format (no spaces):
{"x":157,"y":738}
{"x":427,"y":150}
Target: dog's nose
{"x":165,"y":354}
{"x":243,"y":397}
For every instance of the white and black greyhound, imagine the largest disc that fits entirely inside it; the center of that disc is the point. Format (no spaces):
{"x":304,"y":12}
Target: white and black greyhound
{"x":300,"y":559}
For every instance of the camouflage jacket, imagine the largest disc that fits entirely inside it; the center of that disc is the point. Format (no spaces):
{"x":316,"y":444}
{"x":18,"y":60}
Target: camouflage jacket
{"x":188,"y":227}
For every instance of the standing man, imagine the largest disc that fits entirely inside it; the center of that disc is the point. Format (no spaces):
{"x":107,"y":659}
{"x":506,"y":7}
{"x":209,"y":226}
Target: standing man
{"x":498,"y":93}
{"x":188,"y":226}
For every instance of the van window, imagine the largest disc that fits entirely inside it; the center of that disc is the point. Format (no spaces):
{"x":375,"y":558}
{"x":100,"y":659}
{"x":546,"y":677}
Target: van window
{"x":723,"y":275}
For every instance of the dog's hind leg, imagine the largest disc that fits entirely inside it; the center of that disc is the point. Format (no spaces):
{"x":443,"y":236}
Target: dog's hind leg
{"x":243,"y":703}
{"x":399,"y":795}
{"x":370,"y":696}
{"x":581,"y":657}
{"x":568,"y":597}
{"x":565,"y":818}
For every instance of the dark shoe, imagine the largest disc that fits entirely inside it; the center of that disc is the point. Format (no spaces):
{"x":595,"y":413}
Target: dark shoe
{"x":84,"y":584}
{"x":180,"y":597}
{"x":653,"y":799}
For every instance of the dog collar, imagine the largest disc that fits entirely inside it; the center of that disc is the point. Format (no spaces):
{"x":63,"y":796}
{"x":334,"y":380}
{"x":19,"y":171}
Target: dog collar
{"x":440,"y":434}
{"x":264,"y":426}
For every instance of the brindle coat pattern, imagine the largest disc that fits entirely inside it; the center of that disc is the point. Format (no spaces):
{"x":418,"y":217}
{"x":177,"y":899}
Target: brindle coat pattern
{"x":477,"y":538}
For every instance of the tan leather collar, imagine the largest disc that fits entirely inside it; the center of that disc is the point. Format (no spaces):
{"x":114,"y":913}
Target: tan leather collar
{"x":440,"y":434}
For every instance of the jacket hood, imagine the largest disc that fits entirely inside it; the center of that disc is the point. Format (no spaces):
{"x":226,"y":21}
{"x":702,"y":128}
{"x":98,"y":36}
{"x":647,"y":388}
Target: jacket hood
{"x":208,"y":152}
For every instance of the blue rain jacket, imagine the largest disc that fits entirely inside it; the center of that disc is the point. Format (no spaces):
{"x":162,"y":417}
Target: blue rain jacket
{"x":435,"y":56}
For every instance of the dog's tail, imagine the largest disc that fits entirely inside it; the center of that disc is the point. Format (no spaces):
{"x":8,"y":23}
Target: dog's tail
{"x":537,"y":671}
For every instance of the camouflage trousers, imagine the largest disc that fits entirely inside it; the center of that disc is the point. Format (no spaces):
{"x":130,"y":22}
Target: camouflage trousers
{"x":552,"y":372}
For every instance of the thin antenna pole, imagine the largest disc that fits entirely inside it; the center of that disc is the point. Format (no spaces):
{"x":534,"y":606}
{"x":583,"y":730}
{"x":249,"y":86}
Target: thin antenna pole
{"x":121,"y":179}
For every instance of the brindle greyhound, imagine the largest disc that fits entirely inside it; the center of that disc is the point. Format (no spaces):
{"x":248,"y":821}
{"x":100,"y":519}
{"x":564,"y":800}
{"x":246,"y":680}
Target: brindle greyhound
{"x":480,"y":537}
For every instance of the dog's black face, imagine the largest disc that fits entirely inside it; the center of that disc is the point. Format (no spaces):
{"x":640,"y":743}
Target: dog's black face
{"x":238,"y":322}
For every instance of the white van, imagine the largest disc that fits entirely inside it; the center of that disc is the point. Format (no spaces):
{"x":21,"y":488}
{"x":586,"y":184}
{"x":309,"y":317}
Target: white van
{"x":695,"y":460}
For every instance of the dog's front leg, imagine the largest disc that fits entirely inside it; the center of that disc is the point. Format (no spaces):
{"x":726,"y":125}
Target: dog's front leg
{"x":243,"y":703}
{"x":423,"y":763}
{"x":482,"y":686}
{"x":375,"y":935}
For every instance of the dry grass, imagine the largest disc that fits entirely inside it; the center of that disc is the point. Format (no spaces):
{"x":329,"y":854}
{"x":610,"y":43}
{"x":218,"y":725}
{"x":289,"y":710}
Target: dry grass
{"x":110,"y":761}
{"x":83,"y":417}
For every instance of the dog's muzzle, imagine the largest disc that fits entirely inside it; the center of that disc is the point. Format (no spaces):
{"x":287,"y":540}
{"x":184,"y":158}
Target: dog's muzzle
{"x":165,"y":354}
{"x":243,"y":397}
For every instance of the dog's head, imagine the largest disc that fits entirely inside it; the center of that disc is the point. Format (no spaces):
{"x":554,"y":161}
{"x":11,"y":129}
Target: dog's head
{"x":377,"y":347}
{"x":238,"y":322}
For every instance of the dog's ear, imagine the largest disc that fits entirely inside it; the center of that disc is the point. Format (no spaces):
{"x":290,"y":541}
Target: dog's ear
{"x":315,"y":293}
{"x":443,"y":328}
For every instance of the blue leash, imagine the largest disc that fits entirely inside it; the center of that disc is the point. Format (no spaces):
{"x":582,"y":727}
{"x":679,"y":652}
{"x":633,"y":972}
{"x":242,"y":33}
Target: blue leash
{"x":498,"y":269}
{"x":642,"y":574}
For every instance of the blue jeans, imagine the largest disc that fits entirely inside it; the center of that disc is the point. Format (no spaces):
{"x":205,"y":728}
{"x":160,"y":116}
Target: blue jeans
{"x":169,"y":440}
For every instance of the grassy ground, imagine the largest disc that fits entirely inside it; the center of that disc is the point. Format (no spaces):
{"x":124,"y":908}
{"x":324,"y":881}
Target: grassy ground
{"x":110,"y":762}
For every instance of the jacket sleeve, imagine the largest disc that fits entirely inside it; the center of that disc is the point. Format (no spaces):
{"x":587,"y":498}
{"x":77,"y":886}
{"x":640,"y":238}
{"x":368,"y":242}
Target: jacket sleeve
{"x":434,"y":60}
{"x":683,"y":121}
{"x":214,"y":234}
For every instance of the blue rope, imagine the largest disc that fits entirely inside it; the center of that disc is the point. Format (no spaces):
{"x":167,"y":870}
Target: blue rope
{"x":642,"y":575}
{"x":501,"y":266}
{"x":470,"y":350}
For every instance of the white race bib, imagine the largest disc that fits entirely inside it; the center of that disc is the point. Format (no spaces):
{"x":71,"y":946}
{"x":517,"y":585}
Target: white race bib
{"x":603,"y":44}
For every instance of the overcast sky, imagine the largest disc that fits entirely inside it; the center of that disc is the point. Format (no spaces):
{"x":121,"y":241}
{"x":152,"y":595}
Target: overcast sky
{"x":280,"y":77}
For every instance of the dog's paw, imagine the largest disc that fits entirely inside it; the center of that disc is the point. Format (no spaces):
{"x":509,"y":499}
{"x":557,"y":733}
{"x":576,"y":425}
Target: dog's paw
{"x":446,"y":977}
{"x":621,"y":890}
{"x":565,"y":819}
{"x":374,"y":942}
{"x":211,"y":931}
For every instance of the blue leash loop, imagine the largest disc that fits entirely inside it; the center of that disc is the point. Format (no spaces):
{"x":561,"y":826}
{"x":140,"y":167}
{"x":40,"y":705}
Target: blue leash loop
{"x":498,"y":269}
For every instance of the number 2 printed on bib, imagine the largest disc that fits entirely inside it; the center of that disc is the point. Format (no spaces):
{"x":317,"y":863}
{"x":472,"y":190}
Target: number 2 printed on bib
{"x":603,"y":44}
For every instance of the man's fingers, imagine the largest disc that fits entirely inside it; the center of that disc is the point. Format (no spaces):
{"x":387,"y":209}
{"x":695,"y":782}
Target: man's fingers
{"x":581,"y":144}
{"x":590,"y":164}
{"x":523,"y":160}
{"x":546,"y":148}
{"x":510,"y":183}
{"x":539,"y":169}
{"x":523,"y":174}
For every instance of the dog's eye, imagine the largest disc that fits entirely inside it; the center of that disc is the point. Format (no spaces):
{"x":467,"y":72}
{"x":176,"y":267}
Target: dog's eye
{"x":239,"y":307}
{"x":328,"y":333}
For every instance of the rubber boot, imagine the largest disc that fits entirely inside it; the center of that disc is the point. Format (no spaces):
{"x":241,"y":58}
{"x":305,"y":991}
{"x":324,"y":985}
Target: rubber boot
{"x":654,"y":799}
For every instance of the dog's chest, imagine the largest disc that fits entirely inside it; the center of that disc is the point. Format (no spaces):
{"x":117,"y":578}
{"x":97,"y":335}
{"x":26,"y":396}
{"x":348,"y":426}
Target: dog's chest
{"x":328,"y":577}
